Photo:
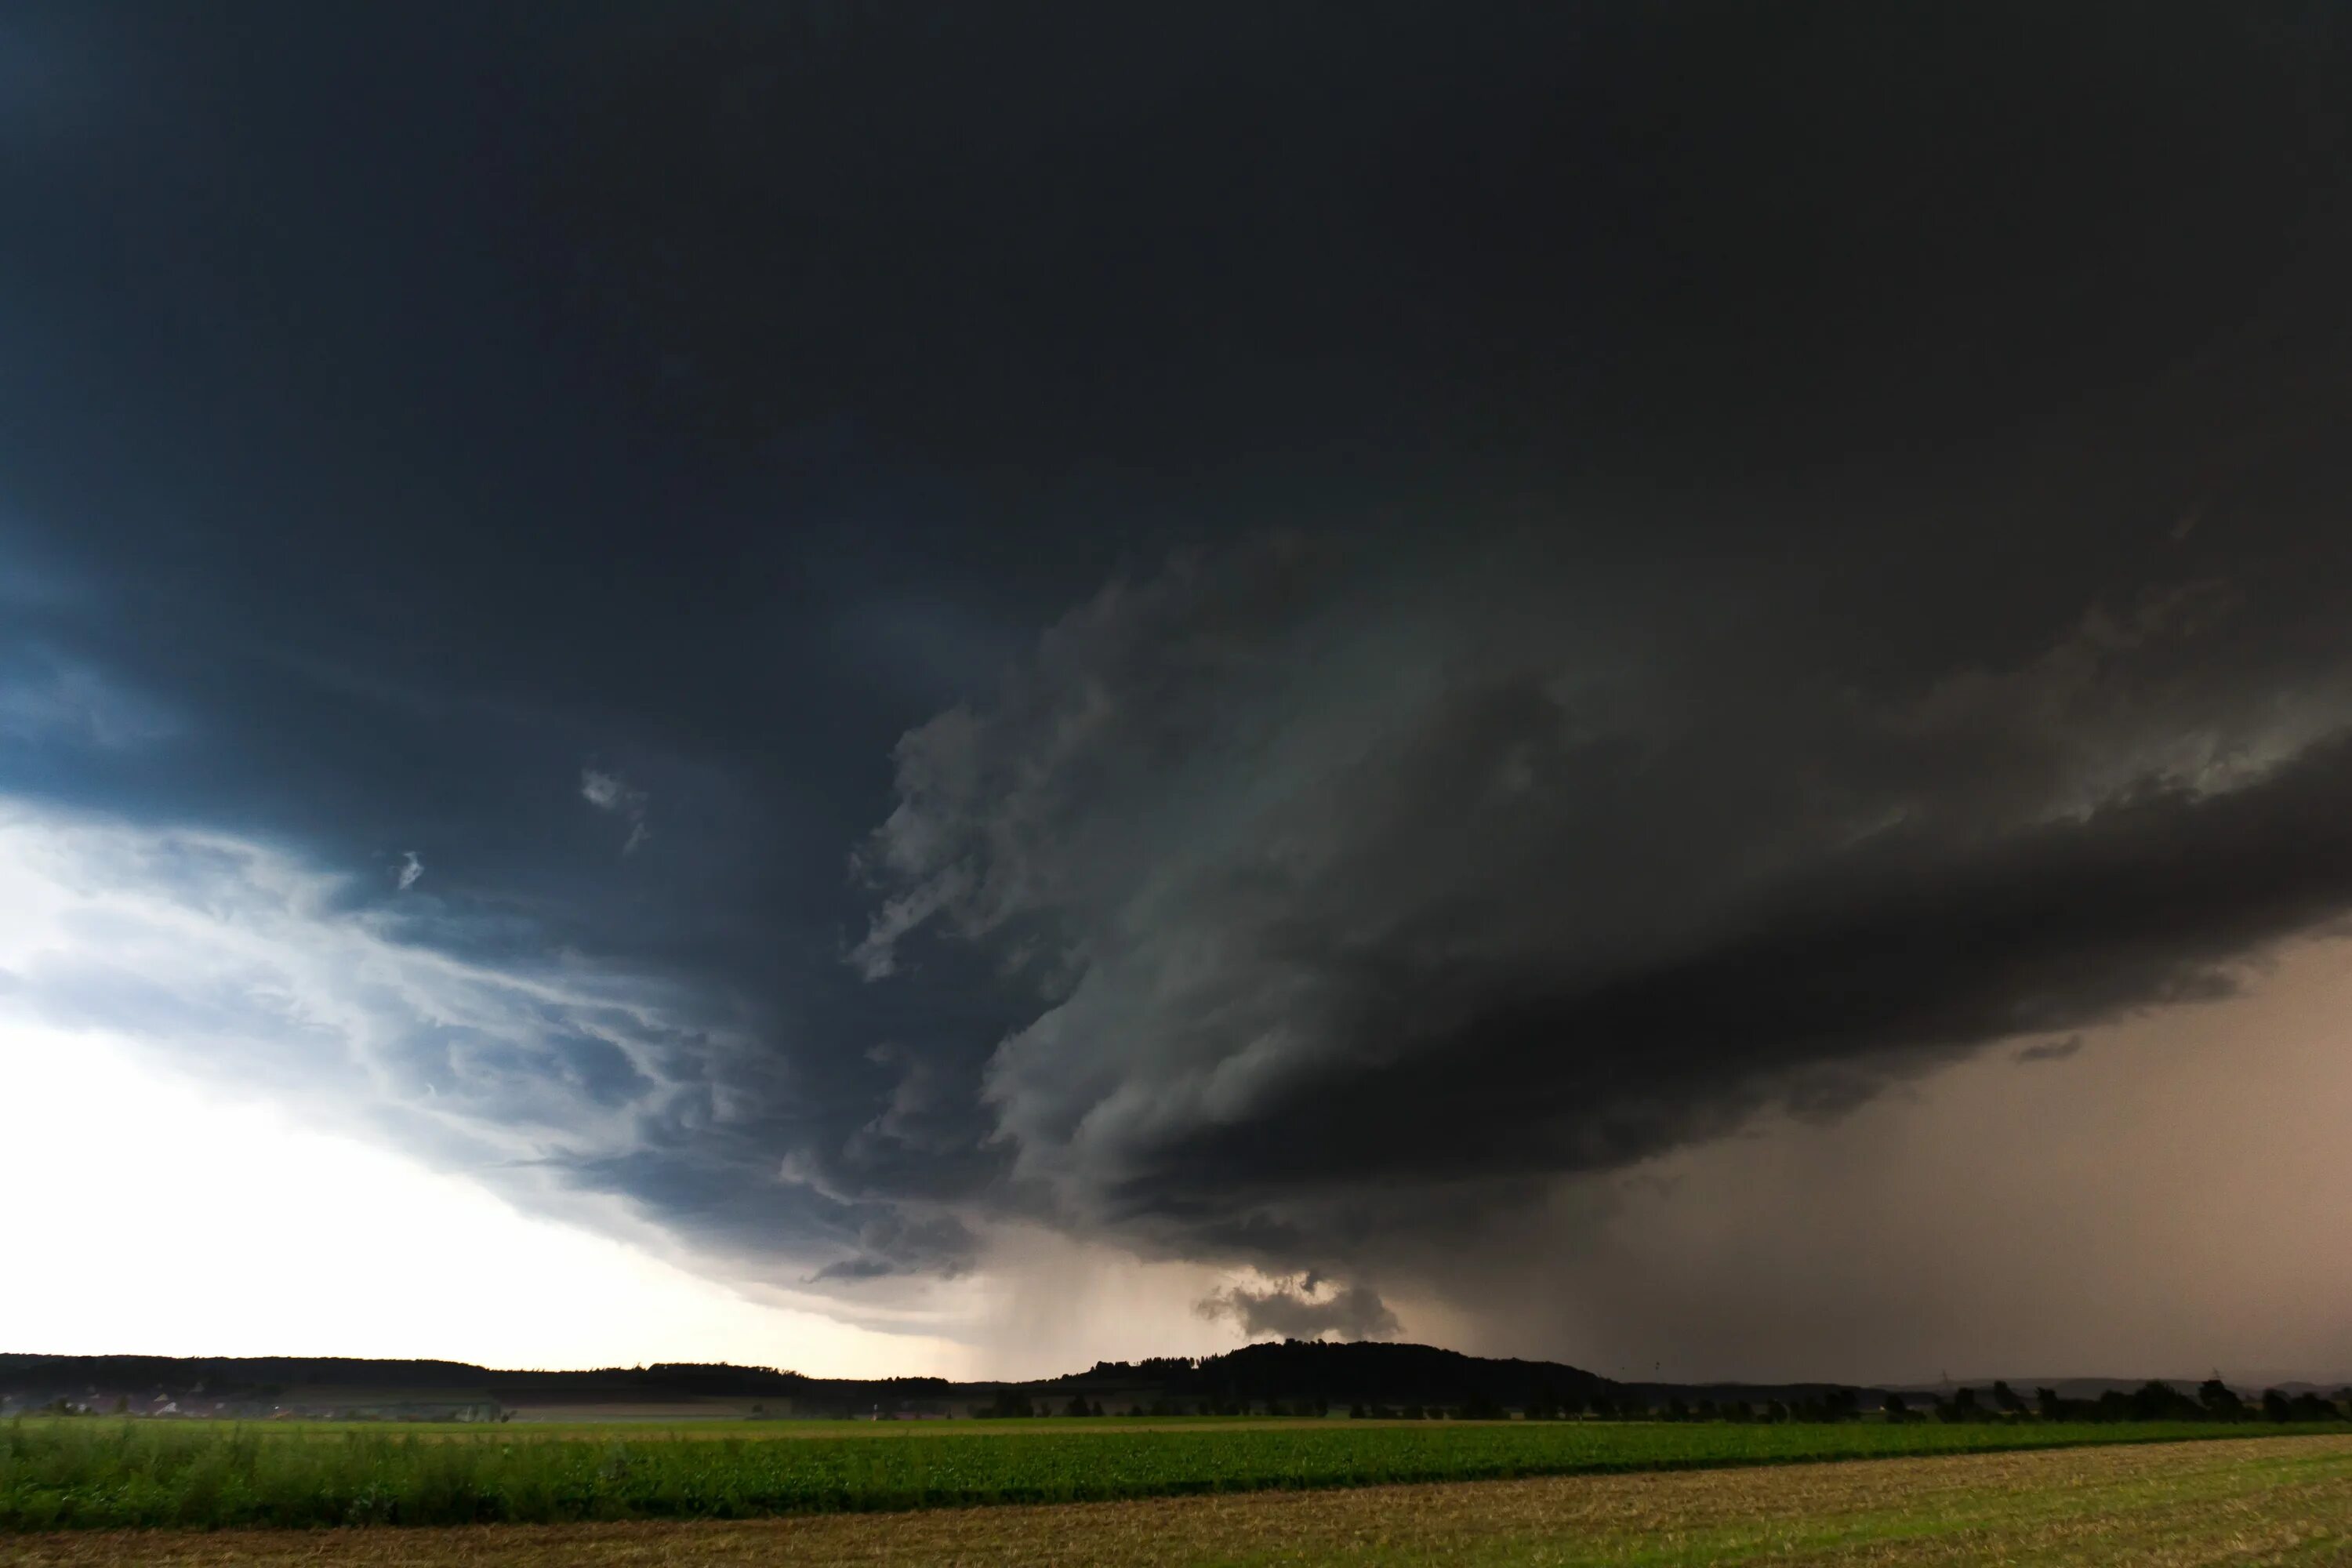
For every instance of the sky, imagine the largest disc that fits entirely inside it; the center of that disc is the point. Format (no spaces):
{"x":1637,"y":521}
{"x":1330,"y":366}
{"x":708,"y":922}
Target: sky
{"x":954,"y":689}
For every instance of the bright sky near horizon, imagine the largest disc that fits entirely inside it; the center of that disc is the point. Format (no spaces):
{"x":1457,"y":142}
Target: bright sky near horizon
{"x":162,"y":1217}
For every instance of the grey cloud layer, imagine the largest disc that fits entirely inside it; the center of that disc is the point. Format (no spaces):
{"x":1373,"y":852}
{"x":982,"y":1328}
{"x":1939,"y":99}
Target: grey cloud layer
{"x":1356,"y":906}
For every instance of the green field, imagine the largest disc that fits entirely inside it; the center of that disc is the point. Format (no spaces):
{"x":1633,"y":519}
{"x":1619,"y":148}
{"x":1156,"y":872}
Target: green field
{"x":94,"y":1474}
{"x":2234,"y":1503}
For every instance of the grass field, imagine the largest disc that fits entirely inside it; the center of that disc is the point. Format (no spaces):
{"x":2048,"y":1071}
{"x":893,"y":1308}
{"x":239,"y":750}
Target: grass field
{"x":2266,"y":1500}
{"x":94,"y":1474}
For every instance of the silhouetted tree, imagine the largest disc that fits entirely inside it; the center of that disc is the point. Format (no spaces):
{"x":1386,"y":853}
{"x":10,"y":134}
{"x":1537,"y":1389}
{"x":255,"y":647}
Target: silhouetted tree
{"x":2219,"y":1401}
{"x":1897,"y":1408}
{"x":2005,"y":1399}
{"x":2158,"y":1401}
{"x":2275,"y":1407}
{"x":2051,"y":1407}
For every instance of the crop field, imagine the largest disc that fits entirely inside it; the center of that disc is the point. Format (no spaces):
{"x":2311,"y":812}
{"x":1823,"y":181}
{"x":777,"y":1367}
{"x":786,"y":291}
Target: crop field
{"x":90,"y":1474}
{"x":2266,"y":1500}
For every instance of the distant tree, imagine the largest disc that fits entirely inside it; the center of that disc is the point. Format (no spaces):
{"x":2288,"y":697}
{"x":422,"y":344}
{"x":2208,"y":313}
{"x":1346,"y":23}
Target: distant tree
{"x":1356,"y":1411}
{"x":2310,"y":1407}
{"x":1776,"y":1411}
{"x":1676,"y":1410}
{"x":2156,"y":1400}
{"x":1413,"y":1413}
{"x":1482,"y":1407}
{"x":1961,"y":1406}
{"x":2275,"y":1407}
{"x":2005,"y":1399}
{"x":2051,"y":1406}
{"x":1897,"y":1407}
{"x":2219,"y":1401}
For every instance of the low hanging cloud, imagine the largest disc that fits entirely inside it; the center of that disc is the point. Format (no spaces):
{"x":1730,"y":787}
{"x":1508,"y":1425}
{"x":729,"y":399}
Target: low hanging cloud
{"x":1299,"y":1310}
{"x":411,"y":867}
{"x":1358,"y":911}
{"x":609,"y":791}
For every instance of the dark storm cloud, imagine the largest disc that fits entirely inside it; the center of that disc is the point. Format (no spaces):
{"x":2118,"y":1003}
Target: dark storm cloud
{"x":1358,"y":905}
{"x":1720,"y":556}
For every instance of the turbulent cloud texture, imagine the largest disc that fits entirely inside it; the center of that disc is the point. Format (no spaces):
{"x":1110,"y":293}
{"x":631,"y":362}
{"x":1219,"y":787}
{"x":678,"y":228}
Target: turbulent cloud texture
{"x":1355,"y":908}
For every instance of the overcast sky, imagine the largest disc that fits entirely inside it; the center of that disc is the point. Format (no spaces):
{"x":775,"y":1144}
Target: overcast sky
{"x":953,"y":687}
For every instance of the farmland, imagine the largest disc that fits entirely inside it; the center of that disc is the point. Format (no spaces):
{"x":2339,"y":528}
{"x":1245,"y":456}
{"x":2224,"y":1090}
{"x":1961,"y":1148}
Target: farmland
{"x":2277,"y":1501}
{"x":92,"y":1474}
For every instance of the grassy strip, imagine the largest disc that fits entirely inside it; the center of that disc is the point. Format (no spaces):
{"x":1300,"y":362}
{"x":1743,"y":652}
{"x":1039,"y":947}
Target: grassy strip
{"x":2251,"y":1500}
{"x":95,"y":1474}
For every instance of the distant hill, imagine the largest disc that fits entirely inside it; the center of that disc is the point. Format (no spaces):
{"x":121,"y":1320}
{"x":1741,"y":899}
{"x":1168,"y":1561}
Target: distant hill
{"x":1295,"y":1372}
{"x":1360,"y":1372}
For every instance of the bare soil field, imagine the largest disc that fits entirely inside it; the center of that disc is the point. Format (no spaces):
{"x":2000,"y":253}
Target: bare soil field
{"x":2268,"y":1500}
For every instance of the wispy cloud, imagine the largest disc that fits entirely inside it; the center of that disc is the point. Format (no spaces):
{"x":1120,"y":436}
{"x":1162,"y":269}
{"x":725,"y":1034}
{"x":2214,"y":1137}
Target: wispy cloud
{"x":612,"y":793}
{"x":2051,"y":1050}
{"x":412,"y":867}
{"x":48,"y":699}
